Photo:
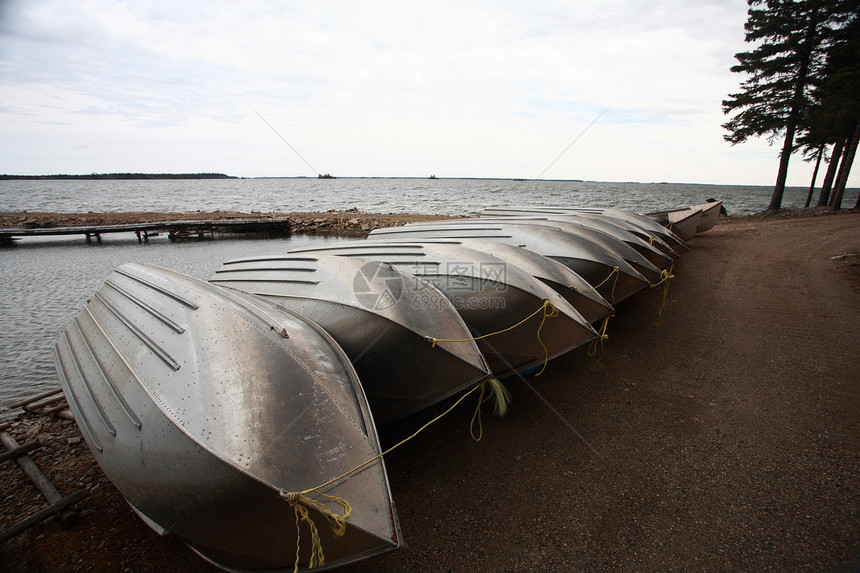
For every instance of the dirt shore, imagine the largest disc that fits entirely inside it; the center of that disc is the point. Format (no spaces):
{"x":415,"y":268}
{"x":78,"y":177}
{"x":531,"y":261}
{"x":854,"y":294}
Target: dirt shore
{"x":726,"y":439}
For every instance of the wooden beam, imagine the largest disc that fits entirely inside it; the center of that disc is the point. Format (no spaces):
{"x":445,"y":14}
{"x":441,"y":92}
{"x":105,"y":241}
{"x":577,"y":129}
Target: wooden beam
{"x":42,"y":483}
{"x":42,"y":396}
{"x":42,"y":515}
{"x":20,"y":450}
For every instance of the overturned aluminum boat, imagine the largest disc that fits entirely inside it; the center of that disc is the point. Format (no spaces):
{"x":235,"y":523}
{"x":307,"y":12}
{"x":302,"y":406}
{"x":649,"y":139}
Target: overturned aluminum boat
{"x":652,"y":232}
{"x":659,"y":257}
{"x":378,"y":316}
{"x":590,"y":261}
{"x":204,"y":409}
{"x":633,"y":221}
{"x":601,"y":239}
{"x":491,"y":296}
{"x":560,"y":278}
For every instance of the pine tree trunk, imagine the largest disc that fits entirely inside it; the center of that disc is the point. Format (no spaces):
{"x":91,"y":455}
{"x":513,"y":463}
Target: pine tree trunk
{"x":814,"y":175}
{"x":845,"y":169}
{"x":784,"y":157}
{"x":797,"y":102}
{"x":835,"y":156}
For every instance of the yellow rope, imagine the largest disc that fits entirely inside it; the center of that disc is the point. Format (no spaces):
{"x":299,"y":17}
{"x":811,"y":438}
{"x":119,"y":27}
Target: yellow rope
{"x":317,"y":558}
{"x":338,"y":522}
{"x":502,"y":398}
{"x":601,"y":337}
{"x":551,"y":314}
{"x":665,"y":277}
{"x":547,"y":307}
{"x":616,"y":272}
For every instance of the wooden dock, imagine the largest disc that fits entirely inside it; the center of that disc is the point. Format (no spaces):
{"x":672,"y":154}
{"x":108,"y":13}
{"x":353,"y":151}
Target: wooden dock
{"x":176,"y":229}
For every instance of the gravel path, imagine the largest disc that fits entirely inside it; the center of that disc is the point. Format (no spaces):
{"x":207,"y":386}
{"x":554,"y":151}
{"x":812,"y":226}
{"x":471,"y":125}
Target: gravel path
{"x":726,"y":439}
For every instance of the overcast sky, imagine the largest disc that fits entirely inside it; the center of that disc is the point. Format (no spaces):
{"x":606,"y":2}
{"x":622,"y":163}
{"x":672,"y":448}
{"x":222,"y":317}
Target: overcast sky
{"x":400,"y":88}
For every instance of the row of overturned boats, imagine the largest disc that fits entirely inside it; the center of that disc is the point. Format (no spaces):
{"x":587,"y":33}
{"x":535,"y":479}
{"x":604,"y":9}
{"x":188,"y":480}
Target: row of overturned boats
{"x":241,"y":413}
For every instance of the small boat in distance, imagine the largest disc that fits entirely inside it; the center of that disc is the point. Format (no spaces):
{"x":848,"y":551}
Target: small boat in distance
{"x":206,"y":409}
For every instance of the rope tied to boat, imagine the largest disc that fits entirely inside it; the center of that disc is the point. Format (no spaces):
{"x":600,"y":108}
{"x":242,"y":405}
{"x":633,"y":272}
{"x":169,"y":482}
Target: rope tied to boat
{"x":665,"y":277}
{"x":553,"y":312}
{"x":501,"y":397}
{"x":599,"y":340}
{"x":615,"y":272}
{"x":338,"y":522}
{"x":549,"y":311}
{"x":300,"y":499}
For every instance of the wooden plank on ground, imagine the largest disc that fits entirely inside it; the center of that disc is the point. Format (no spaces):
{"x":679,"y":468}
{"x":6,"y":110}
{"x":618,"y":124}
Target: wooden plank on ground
{"x":42,"y":483}
{"x":20,"y":450}
{"x":41,"y":396}
{"x":42,"y":515}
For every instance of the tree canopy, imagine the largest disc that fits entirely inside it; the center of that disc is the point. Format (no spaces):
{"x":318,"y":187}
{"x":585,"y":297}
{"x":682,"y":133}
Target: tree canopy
{"x":799,"y":77}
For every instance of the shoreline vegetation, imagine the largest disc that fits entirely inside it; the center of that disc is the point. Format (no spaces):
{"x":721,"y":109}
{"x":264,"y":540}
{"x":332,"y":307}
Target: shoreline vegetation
{"x":107,"y":176}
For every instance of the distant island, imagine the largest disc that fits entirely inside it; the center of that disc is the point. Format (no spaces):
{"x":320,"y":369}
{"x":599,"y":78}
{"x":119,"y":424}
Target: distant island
{"x":122,"y":176}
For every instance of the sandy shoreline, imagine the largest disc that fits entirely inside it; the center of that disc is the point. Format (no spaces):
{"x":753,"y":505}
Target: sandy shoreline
{"x":727,"y":439}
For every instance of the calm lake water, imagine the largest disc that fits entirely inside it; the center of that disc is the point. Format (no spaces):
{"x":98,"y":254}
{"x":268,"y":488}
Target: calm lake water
{"x":46,"y":282}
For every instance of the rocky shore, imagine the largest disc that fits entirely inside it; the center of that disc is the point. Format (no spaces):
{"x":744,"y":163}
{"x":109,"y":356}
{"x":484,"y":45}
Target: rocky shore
{"x":350,"y":222}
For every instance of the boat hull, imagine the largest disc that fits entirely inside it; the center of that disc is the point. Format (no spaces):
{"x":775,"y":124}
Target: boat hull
{"x":609,"y":243}
{"x":490,"y":295}
{"x":378,"y":316}
{"x":202,"y":407}
{"x":647,"y":226}
{"x":593,"y":263}
{"x":572,"y":287}
{"x":683,"y":222}
{"x":658,"y":257}
{"x":710,"y":215}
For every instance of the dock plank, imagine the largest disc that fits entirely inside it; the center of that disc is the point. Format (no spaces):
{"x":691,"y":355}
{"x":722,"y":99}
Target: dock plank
{"x":174,"y":229}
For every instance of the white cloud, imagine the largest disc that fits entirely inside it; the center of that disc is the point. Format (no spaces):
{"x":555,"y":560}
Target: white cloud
{"x":385,"y":88}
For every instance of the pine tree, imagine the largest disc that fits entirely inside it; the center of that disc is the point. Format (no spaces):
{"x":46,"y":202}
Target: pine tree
{"x":775,"y":100}
{"x":839,"y":98}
